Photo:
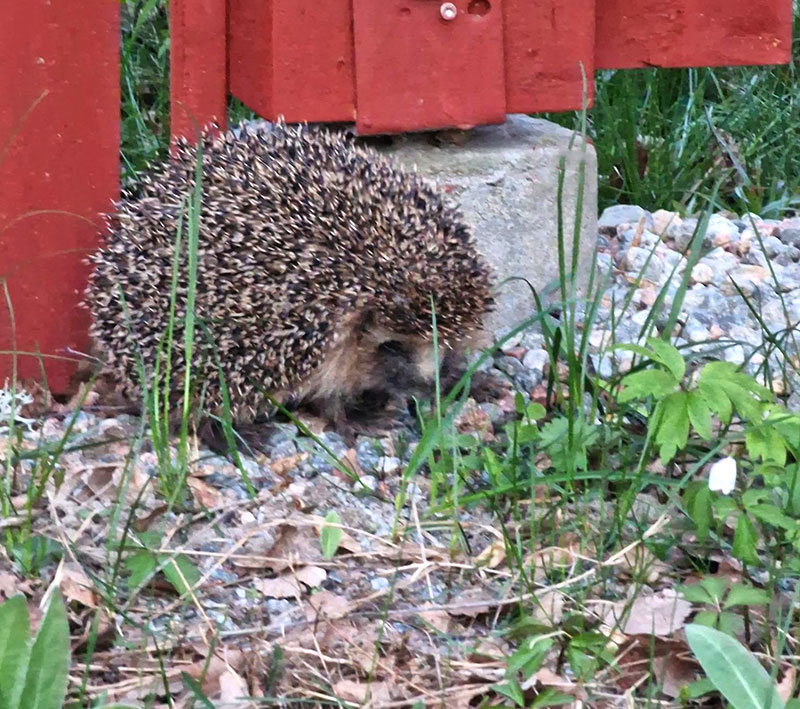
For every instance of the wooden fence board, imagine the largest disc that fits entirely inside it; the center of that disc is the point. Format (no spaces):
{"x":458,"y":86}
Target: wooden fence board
{"x":416,"y":71}
{"x":198,"y":71}
{"x":546,"y":42}
{"x":636,"y":33}
{"x":59,"y":168}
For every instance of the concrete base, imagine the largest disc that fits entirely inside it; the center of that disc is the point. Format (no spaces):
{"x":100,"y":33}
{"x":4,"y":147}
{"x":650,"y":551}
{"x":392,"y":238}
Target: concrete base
{"x":506,"y":180}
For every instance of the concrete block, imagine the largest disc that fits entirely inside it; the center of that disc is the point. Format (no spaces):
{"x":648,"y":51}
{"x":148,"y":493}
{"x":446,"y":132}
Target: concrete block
{"x":505,"y":178}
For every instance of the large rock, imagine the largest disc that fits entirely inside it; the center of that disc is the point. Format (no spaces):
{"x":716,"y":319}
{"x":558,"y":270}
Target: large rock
{"x":506,"y":180}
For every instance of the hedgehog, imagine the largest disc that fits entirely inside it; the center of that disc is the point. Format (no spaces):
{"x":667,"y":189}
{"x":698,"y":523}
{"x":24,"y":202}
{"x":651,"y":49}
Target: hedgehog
{"x":320,"y":266}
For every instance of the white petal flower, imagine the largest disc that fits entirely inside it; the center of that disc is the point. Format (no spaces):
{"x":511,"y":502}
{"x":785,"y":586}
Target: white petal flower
{"x":722,"y":476}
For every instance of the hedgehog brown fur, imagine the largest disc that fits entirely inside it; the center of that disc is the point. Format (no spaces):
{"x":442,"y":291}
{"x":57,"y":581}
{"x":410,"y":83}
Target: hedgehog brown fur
{"x":317,"y":261}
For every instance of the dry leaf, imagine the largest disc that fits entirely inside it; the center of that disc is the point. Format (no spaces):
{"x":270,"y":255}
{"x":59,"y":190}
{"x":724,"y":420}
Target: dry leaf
{"x":786,"y":685}
{"x":548,"y":678}
{"x":281,"y":467}
{"x":487,"y":650}
{"x":659,"y":614}
{"x":350,"y":462}
{"x":439,"y":619}
{"x":203,"y":494}
{"x":100,"y":478}
{"x":142,"y":524}
{"x":674,"y":671}
{"x":284,"y":586}
{"x":232,"y":688}
{"x":327,"y":605}
{"x":211,"y":669}
{"x":493,"y":555}
{"x":311,"y":576}
{"x":550,"y":607}
{"x":468,"y":603}
{"x":351,"y":691}
{"x":294,"y":546}
{"x":8,"y":585}
{"x":75,"y":585}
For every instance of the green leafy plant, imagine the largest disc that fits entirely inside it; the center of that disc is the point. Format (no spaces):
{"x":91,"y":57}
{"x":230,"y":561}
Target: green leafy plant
{"x":33,"y":671}
{"x":723,"y":596}
{"x":718,"y":390}
{"x":732,"y":669}
{"x":767,"y":510}
{"x":145,"y":563}
{"x":330,"y":534}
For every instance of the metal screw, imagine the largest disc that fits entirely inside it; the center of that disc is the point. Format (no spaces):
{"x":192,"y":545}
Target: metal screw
{"x":448,"y":11}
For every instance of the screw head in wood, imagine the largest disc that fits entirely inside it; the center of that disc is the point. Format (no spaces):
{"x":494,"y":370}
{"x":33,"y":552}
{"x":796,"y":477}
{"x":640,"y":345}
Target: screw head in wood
{"x":448,"y":11}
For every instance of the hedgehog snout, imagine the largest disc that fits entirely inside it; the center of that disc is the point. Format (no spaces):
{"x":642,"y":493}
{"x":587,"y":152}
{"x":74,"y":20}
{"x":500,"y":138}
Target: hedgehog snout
{"x":407,"y":368}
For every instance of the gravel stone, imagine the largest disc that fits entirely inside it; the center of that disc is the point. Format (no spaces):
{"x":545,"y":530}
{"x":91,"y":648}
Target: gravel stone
{"x":537,"y":360}
{"x":618,"y":214}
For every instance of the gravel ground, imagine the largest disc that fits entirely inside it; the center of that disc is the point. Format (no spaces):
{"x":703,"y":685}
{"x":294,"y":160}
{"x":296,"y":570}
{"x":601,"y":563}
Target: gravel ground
{"x":262,"y":570}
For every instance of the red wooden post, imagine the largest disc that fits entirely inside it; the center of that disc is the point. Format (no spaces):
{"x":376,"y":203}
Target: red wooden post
{"x":59,"y":168}
{"x":420,"y":67}
{"x":198,"y":73}
{"x":693,"y":32}
{"x":546,"y":42}
{"x":293,"y":58}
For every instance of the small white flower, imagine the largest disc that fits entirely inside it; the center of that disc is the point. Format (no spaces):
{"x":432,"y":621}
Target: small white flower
{"x":722,"y":476}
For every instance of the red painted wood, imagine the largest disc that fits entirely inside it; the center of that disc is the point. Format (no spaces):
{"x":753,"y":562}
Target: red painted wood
{"x":198,"y":72}
{"x":293,"y":58}
{"x":692,"y":32}
{"x":545,"y":44}
{"x":416,"y":71}
{"x":59,"y":167}
{"x":250,"y":53}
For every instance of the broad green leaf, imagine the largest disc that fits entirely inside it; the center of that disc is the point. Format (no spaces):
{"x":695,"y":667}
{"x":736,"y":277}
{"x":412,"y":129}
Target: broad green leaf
{"x":535,"y":411}
{"x":648,"y":382}
{"x":512,"y":690}
{"x":793,"y":481}
{"x":669,"y":356}
{"x":188,"y":571}
{"x":766,"y":443}
{"x":46,"y":680}
{"x":733,"y":670}
{"x":581,"y":664}
{"x":745,"y":539}
{"x":139,"y":565}
{"x":772,"y":515}
{"x":673,"y":431}
{"x":699,"y":414}
{"x":715,"y":586}
{"x":15,"y":648}
{"x":700,"y":513}
{"x":742,"y":595}
{"x":630,"y":347}
{"x":551,"y":698}
{"x":527,"y":434}
{"x":724,"y":621}
{"x":754,"y":496}
{"x":528,"y":658}
{"x":697,"y":689}
{"x":330,"y":535}
{"x":716,"y":399}
{"x":695,"y":593}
